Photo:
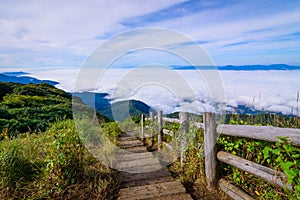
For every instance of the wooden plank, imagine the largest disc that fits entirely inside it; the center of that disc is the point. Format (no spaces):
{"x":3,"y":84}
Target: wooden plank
{"x":210,"y":150}
{"x":267,"y":133}
{"x":267,"y":174}
{"x":140,"y":169}
{"x":184,"y":130}
{"x":151,"y":191}
{"x":232,"y":191}
{"x":128,"y":177}
{"x":127,"y":156}
{"x":128,"y":142}
{"x":160,"y":125}
{"x":127,"y":137}
{"x":182,"y":196}
{"x":137,"y":163}
{"x":149,"y":181}
{"x":142,"y":124}
{"x":151,"y":117}
{"x":137,"y":149}
{"x":130,"y":145}
{"x":171,"y":120}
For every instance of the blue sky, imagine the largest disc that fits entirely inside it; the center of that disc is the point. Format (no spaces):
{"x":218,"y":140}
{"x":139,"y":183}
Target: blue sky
{"x":53,"y":33}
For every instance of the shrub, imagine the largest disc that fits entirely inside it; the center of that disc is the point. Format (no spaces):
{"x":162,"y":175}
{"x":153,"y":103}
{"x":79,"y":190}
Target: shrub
{"x":52,"y":165}
{"x":65,"y":161}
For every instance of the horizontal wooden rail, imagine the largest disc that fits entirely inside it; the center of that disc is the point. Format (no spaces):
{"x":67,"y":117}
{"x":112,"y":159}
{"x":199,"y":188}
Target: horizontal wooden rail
{"x":267,"y":133}
{"x":267,"y":174}
{"x":172,"y":120}
{"x":211,"y":130}
{"x":234,"y":192}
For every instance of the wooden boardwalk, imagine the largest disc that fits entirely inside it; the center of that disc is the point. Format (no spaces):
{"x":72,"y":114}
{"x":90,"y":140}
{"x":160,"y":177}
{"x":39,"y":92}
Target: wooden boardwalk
{"x":142,"y":176}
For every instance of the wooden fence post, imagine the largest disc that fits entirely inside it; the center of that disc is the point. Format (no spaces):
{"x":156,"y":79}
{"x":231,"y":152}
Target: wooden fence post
{"x":159,"y":137}
{"x":184,"y":130}
{"x":142,"y":122}
{"x":210,"y":149}
{"x":151,"y":117}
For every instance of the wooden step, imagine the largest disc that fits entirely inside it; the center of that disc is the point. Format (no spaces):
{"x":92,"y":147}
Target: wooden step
{"x":148,"y":181}
{"x":127,"y":177}
{"x":130,"y":145}
{"x":127,"y":138}
{"x":128,"y":156}
{"x":137,"y":163}
{"x":140,"y":169}
{"x":152,"y":191}
{"x":137,"y":149}
{"x":182,"y":196}
{"x":130,"y":142}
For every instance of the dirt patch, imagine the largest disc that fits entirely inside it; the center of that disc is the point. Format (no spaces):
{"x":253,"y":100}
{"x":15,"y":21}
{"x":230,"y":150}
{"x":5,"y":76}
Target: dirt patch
{"x":200,"y":192}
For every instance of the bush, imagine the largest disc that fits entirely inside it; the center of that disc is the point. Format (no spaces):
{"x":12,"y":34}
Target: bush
{"x":52,"y":165}
{"x":65,"y":161}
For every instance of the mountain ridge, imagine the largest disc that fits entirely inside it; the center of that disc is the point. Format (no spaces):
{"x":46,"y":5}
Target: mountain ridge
{"x":18,"y":77}
{"x":120,"y":110}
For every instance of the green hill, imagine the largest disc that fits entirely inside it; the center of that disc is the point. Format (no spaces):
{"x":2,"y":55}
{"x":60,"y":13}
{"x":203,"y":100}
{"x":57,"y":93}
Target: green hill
{"x":31,"y":107}
{"x":118,"y":111}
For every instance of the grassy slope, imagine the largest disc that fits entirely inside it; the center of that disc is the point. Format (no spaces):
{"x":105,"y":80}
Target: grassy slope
{"x":53,"y":164}
{"x":31,"y":107}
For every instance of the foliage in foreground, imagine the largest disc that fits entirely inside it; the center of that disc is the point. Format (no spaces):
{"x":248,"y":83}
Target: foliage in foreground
{"x":52,"y":165}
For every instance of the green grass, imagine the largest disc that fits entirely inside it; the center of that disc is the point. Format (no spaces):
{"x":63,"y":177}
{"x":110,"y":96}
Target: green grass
{"x":52,"y":165}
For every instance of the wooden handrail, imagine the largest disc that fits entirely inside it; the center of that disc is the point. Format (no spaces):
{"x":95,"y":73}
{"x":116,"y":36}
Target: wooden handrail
{"x":266,"y":133}
{"x":212,"y":130}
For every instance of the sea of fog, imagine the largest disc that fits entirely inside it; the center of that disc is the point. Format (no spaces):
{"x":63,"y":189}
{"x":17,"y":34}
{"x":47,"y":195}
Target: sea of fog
{"x":189,"y":90}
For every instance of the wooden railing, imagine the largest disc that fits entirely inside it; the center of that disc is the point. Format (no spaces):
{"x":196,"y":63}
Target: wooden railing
{"x":212,"y":130}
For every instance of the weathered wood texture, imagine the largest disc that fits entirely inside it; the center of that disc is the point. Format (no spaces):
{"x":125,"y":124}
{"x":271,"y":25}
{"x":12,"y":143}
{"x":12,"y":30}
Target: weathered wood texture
{"x":184,"y":130}
{"x":152,"y":117}
{"x":154,"y":191}
{"x":267,"y":174}
{"x":267,"y":133}
{"x":210,"y":150}
{"x":171,"y":120}
{"x":142,"y":126}
{"x":160,"y":125}
{"x":232,"y":191}
{"x":142,"y":176}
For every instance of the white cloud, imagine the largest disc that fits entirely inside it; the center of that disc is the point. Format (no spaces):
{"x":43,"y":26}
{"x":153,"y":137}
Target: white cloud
{"x":67,"y":28}
{"x":273,"y":91}
{"x":62,"y":33}
{"x":253,"y":28}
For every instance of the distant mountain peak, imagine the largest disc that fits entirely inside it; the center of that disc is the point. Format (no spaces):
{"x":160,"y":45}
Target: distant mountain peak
{"x":20,"y":73}
{"x":239,"y":67}
{"x":17,"y":77}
